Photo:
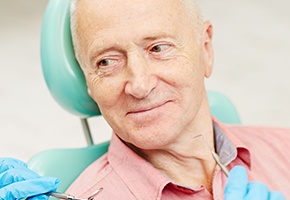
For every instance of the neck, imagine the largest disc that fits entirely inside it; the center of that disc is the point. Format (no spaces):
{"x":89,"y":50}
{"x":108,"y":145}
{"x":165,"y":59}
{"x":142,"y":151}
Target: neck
{"x":187,"y":161}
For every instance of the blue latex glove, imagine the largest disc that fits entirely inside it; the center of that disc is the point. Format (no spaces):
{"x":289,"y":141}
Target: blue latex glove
{"x":238,"y":188}
{"x":17,"y":181}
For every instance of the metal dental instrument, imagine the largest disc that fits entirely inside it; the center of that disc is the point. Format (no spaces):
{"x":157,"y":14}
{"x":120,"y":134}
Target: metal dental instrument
{"x":218,"y":161}
{"x":214,"y":155}
{"x":70,"y":197}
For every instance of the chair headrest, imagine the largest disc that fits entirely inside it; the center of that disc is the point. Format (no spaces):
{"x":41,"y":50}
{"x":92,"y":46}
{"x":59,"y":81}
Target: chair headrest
{"x":61,"y":70}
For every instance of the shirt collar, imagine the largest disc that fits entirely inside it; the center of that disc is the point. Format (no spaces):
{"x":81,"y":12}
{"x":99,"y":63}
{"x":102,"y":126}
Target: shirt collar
{"x":229,"y":147}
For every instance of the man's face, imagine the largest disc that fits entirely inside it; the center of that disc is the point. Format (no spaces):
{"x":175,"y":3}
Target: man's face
{"x":145,"y":68}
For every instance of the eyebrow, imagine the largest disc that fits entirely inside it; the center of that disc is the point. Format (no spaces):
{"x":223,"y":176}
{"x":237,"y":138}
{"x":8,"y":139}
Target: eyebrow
{"x":96,"y":50}
{"x":158,"y":36}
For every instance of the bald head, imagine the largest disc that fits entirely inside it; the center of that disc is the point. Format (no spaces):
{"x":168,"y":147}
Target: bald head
{"x":190,"y":7}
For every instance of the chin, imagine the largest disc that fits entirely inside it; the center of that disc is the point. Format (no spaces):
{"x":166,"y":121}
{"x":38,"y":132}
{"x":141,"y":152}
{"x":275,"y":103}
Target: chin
{"x":149,"y":138}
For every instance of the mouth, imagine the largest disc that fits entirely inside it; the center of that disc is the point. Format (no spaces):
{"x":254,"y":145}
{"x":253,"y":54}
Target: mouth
{"x":146,"y":109}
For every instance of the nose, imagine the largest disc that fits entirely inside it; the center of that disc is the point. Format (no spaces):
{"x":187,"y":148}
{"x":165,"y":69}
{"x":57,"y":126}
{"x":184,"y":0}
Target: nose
{"x":141,"y":79}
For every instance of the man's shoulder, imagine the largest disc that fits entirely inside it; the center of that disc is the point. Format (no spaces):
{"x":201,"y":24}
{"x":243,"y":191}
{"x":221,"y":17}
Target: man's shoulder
{"x":257,"y":137}
{"x":268,"y":147}
{"x":92,"y":175}
{"x":262,"y":140}
{"x":100,"y":174}
{"x":258,"y":131}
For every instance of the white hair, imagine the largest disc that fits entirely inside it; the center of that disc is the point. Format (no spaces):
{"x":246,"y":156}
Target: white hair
{"x":73,"y":28}
{"x":191,"y":6}
{"x":194,"y":11}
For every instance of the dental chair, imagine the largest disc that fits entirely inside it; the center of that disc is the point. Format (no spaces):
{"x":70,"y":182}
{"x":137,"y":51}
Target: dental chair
{"x":67,"y":85}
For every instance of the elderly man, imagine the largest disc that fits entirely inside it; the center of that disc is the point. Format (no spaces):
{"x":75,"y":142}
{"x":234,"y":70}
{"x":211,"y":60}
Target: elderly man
{"x":145,"y":64}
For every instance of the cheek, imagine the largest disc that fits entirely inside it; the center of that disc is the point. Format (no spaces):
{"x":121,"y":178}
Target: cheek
{"x":189,"y":80}
{"x":105,"y":93}
{"x":189,"y":73}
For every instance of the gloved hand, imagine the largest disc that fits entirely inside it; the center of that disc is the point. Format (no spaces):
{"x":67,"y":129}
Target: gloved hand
{"x":17,"y":181}
{"x":238,"y":188}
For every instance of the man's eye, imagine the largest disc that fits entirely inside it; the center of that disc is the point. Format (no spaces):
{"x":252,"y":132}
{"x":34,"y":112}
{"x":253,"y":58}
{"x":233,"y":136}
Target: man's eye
{"x":105,"y":62}
{"x":159,"y":48}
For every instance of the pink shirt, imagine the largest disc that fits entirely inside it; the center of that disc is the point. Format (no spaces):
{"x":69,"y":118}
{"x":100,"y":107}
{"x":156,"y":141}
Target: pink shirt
{"x":124,"y":175}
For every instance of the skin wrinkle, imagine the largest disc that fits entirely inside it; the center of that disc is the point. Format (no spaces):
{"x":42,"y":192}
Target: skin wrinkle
{"x":154,"y":105}
{"x":191,"y":7}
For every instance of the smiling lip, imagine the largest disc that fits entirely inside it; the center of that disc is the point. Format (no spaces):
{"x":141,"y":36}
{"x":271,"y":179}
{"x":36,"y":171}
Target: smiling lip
{"x":146,"y":109}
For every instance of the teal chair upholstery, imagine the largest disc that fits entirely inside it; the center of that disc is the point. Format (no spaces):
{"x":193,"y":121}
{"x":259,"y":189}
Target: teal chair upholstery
{"x":66,"y":83}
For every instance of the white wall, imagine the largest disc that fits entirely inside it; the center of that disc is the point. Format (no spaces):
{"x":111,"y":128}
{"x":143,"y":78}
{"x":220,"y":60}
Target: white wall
{"x":252,"y":67}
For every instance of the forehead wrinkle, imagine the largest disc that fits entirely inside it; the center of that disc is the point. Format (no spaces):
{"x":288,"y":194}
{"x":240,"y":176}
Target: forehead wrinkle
{"x":106,"y":13}
{"x":100,"y":45}
{"x":130,"y":11}
{"x":189,"y":7}
{"x":88,"y":13}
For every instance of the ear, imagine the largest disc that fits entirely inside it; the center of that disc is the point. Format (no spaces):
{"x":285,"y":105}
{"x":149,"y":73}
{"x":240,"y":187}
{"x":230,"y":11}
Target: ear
{"x":88,"y":89}
{"x":208,"y":48}
{"x":89,"y":92}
